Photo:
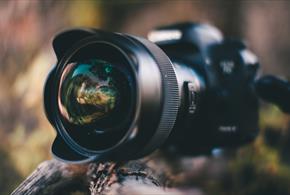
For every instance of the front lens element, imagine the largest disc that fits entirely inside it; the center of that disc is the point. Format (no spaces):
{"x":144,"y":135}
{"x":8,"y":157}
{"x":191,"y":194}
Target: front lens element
{"x":89,"y":91}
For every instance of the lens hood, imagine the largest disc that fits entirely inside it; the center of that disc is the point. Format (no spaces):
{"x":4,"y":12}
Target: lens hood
{"x":148,"y":95}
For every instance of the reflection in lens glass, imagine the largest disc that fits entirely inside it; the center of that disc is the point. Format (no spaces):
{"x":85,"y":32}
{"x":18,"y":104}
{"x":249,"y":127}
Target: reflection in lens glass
{"x":89,"y":91}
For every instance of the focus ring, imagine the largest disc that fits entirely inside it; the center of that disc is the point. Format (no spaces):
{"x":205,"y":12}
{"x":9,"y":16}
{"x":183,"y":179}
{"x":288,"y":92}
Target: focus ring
{"x":170,"y":96}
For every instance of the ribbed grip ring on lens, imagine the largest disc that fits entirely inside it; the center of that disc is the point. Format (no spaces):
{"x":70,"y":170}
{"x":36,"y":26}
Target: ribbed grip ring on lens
{"x":170,"y":95}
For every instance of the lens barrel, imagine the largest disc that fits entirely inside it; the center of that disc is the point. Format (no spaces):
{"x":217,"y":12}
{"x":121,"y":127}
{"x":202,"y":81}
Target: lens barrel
{"x":110,"y":96}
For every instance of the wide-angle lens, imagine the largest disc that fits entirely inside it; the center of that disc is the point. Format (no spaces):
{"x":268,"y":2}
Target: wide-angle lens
{"x":109,"y":94}
{"x":89,"y":91}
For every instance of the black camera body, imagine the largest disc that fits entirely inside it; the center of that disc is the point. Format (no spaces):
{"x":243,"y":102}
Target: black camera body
{"x":119,"y":97}
{"x":225,"y":113}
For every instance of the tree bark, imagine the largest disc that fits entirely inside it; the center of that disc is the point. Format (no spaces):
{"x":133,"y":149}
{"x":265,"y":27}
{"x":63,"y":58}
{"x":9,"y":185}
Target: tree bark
{"x":146,"y":176}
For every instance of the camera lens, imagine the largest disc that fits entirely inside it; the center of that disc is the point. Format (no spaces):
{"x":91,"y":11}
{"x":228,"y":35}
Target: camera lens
{"x":110,"y":96}
{"x":89,"y":91}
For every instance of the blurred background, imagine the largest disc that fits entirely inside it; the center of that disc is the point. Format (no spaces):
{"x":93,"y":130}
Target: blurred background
{"x":28,"y":26}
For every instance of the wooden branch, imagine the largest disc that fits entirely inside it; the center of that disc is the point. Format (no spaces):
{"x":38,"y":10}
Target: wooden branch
{"x":146,"y":176}
{"x":52,"y":177}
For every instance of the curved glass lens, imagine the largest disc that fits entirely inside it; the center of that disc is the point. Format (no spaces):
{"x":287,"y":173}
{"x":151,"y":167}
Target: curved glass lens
{"x":89,"y":91}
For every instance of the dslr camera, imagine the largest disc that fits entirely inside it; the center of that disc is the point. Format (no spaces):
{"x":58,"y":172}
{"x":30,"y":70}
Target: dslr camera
{"x":185,"y":89}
